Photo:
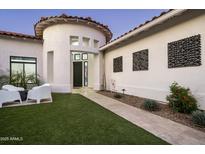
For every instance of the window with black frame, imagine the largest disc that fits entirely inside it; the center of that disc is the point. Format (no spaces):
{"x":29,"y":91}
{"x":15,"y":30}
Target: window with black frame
{"x":117,"y":64}
{"x":85,"y":56}
{"x":77,"y":57}
{"x":185,"y":52}
{"x":140,"y":60}
{"x":25,"y":68}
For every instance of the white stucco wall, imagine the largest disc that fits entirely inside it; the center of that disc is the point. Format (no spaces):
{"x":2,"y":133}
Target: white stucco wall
{"x":155,"y":82}
{"x":91,"y":72}
{"x":18,"y":47}
{"x":57,"y":39}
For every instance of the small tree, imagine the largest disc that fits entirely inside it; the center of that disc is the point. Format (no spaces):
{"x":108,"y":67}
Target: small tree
{"x":22,"y":80}
{"x":181,"y":99}
{"x":19,"y":80}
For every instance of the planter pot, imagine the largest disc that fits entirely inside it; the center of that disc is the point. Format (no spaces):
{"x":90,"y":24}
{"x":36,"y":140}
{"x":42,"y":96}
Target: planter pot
{"x":23,"y":95}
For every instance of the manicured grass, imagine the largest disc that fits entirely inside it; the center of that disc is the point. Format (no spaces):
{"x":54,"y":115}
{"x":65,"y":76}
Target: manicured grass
{"x":70,"y":119}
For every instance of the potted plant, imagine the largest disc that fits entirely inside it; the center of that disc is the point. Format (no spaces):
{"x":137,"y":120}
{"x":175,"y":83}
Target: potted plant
{"x":22,"y":80}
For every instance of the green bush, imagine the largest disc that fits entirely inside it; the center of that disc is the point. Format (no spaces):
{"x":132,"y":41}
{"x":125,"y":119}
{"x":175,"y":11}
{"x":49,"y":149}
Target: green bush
{"x":198,"y":117}
{"x":20,"y":80}
{"x":117,"y":95}
{"x":150,"y":105}
{"x":4,"y":79}
{"x":181,"y":99}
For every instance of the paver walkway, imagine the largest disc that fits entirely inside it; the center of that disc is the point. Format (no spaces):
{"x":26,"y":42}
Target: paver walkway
{"x":168,"y":130}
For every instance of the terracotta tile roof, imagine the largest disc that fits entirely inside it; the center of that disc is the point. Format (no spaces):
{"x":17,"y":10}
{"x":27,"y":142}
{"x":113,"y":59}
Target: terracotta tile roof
{"x":19,"y":35}
{"x":88,"y":20}
{"x":146,"y":22}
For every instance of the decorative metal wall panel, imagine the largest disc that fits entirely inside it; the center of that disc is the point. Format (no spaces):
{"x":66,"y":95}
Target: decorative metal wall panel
{"x":140,"y":60}
{"x":117,"y":64}
{"x":185,"y":52}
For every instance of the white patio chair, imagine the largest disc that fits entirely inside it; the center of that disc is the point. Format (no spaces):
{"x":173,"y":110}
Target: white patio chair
{"x":39,"y":93}
{"x":9,"y":96}
{"x":12,"y":88}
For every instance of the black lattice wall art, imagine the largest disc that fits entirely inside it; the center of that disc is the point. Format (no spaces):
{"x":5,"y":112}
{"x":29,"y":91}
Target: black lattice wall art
{"x":140,"y":60}
{"x":117,"y":64}
{"x":185,"y":52}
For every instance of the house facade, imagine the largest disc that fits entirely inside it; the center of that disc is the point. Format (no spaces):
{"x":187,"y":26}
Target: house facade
{"x":70,"y":52}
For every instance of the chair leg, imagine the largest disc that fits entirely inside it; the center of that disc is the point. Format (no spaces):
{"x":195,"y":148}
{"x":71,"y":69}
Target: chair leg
{"x":38,"y":101}
{"x":27,"y":100}
{"x":51,"y":99}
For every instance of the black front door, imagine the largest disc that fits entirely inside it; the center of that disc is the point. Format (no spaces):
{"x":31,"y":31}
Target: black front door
{"x":77,"y":74}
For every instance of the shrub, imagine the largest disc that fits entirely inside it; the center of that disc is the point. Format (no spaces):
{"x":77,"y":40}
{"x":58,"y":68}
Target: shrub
{"x":22,"y":80}
{"x":4,"y":79}
{"x":198,"y":117}
{"x":181,"y":99}
{"x":150,"y":105}
{"x":117,"y":95}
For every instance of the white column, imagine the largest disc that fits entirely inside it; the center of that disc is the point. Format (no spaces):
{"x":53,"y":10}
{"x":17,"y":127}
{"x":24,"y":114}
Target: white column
{"x":98,"y":71}
{"x":62,"y":69}
{"x":61,"y":81}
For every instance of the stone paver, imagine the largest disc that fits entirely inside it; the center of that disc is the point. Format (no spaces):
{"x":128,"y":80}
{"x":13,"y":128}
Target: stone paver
{"x":168,"y":130}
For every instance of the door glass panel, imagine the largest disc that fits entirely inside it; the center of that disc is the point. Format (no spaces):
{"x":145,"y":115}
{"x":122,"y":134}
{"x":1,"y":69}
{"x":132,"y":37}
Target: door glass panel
{"x":85,"y":73}
{"x":85,"y":56}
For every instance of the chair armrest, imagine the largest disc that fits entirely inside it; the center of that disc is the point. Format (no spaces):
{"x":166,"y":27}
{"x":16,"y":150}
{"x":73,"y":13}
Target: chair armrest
{"x":34,"y":93}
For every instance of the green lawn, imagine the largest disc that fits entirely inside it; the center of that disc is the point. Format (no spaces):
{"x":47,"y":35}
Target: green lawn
{"x":70,"y":119}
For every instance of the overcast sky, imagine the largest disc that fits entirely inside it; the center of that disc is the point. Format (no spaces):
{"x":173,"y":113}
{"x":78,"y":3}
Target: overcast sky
{"x":119,"y":21}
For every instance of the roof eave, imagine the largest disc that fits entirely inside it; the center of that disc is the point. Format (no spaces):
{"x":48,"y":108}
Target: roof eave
{"x":13,"y":35}
{"x":48,"y":21}
{"x":144,"y":27}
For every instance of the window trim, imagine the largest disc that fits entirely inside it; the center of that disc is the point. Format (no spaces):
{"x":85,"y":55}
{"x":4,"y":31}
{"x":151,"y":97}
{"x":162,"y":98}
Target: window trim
{"x":76,"y":55}
{"x":84,"y":54}
{"x":24,"y":65}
